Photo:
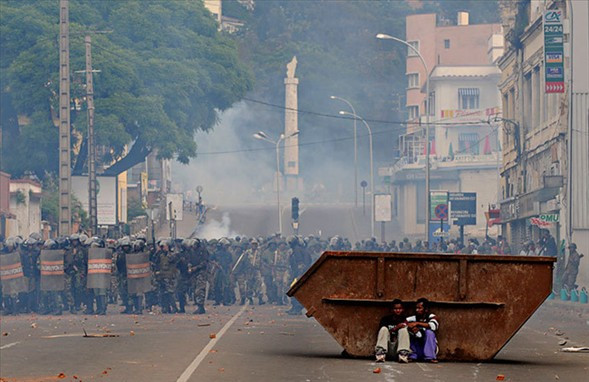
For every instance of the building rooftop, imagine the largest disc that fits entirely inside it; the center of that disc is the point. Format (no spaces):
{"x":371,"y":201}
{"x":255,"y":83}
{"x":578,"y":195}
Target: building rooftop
{"x":440,"y":72}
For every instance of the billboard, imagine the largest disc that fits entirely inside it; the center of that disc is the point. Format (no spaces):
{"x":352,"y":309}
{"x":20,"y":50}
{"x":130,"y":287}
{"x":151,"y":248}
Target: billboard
{"x":553,"y":51}
{"x":383,"y":207}
{"x":438,"y":205}
{"x":106,"y":195}
{"x":177,"y":206}
{"x":463,"y":208}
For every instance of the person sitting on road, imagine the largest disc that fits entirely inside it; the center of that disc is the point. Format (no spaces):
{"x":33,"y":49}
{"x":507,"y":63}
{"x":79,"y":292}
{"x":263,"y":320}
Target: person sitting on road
{"x":423,"y":327}
{"x":393,"y":337}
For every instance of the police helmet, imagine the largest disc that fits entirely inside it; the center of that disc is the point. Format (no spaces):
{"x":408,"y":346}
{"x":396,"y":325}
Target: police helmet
{"x":138,"y":245}
{"x":50,"y":244}
{"x":125,"y":241}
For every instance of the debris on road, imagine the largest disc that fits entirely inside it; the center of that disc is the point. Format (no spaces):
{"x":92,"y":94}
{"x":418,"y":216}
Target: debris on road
{"x":581,"y":349}
{"x":106,"y":335}
{"x":212,"y":335}
{"x":377,"y":370}
{"x":61,"y":376}
{"x":202,"y":325}
{"x":5,"y":334}
{"x":558,"y":333}
{"x":132,"y":333}
{"x":34,"y":325}
{"x":500,"y":377}
{"x":562,"y":342}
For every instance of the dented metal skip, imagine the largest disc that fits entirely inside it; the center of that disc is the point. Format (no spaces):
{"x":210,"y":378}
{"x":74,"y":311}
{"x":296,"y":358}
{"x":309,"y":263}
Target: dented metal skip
{"x":481,"y":301}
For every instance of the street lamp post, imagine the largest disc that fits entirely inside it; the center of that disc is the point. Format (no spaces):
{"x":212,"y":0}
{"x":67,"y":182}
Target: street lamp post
{"x":371,"y":166}
{"x":382,"y":36}
{"x":355,"y":149}
{"x":264,"y":137}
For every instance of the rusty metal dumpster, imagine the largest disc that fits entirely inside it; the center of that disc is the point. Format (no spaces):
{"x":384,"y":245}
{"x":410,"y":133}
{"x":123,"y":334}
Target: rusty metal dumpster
{"x":481,"y":300}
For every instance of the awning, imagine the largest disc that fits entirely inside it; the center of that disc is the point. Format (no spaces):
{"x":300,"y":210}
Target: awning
{"x":493,"y":222}
{"x":468,"y":91}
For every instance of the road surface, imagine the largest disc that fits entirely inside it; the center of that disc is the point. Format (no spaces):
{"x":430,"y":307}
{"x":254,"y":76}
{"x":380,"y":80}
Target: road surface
{"x":259,"y":343}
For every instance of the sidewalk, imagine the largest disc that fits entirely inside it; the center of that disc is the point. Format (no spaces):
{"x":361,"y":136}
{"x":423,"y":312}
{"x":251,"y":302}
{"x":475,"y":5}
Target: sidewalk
{"x":577,"y":307}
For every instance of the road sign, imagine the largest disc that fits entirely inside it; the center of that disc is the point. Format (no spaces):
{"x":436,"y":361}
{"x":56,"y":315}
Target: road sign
{"x":383,"y":207}
{"x":550,"y":218}
{"x":463,"y":208}
{"x":177,"y":202}
{"x":553,"y":51}
{"x":441,"y":211}
{"x":438,"y":198}
{"x":438,"y":230}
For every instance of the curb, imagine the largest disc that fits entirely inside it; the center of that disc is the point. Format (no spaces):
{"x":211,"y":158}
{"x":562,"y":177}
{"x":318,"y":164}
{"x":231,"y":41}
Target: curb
{"x":584,"y":308}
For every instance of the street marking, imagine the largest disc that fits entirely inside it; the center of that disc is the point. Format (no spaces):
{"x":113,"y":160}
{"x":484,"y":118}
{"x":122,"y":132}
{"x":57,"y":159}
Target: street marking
{"x":201,"y":356}
{"x":423,"y":367}
{"x":8,"y":345}
{"x":64,"y":335}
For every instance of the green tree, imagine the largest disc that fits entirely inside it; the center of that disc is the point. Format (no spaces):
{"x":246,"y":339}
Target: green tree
{"x":166,"y":72}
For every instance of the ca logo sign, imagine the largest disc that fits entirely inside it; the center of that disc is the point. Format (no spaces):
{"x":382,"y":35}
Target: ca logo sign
{"x":552,"y":16}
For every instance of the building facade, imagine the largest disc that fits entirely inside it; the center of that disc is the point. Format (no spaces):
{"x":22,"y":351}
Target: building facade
{"x":545,"y":163}
{"x":25,"y":205}
{"x":464,"y":145}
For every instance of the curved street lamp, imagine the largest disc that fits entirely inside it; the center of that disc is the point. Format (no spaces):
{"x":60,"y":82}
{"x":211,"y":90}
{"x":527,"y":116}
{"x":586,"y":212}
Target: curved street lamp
{"x":382,"y":36}
{"x":355,"y":116}
{"x":264,"y":137}
{"x":355,"y":148}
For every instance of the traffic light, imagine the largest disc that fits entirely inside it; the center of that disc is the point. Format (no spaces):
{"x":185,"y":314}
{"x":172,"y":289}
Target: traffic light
{"x":295,"y":208}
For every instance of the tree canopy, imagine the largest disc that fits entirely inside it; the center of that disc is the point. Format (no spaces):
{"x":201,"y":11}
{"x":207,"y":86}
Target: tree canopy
{"x":165,"y":72}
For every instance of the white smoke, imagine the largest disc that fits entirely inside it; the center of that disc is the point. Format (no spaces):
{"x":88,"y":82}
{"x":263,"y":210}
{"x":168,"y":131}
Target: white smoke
{"x":231,"y":166}
{"x":215,"y":229}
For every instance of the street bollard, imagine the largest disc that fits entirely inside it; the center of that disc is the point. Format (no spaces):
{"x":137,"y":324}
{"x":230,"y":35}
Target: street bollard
{"x":564,"y":294}
{"x":583,"y":296}
{"x":574,"y":295}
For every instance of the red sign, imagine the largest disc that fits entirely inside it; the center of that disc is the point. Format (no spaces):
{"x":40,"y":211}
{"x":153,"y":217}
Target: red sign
{"x":555,"y":87}
{"x":540,"y":223}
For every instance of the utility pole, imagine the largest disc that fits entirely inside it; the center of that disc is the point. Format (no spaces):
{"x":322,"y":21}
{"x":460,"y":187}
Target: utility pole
{"x":65,"y":218}
{"x":92,"y":198}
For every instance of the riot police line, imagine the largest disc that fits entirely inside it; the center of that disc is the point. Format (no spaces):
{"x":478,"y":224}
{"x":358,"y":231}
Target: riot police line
{"x":83,"y":275}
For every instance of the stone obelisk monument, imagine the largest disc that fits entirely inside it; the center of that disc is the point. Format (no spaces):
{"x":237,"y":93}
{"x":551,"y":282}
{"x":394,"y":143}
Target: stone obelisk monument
{"x":293,"y":183}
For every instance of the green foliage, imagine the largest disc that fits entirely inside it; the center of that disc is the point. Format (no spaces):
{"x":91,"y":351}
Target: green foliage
{"x":165,"y":73}
{"x":134,"y":209}
{"x":50,"y":205}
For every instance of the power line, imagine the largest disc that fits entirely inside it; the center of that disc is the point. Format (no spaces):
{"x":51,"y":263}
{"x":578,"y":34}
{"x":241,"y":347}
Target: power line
{"x":294,"y":145}
{"x":335,"y":116}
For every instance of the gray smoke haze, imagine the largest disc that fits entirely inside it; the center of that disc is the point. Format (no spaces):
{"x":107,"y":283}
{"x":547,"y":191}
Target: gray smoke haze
{"x":234,"y":168}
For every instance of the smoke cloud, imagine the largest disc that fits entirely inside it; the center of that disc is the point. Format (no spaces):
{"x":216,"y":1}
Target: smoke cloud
{"x":215,"y":229}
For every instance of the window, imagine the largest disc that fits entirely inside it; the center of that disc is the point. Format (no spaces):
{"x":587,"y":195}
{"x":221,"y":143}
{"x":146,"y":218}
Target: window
{"x":447,"y":44}
{"x":537,"y":96}
{"x":411,"y":52}
{"x":468,"y":143}
{"x":468,"y":98}
{"x":413,"y":112}
{"x":413,"y":79}
{"x":292,"y":164}
{"x":528,"y":101}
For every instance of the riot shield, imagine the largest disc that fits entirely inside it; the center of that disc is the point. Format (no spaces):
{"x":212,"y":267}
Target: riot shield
{"x":138,"y":273}
{"x":11,"y":274}
{"x":52,"y":276}
{"x":99,"y":268}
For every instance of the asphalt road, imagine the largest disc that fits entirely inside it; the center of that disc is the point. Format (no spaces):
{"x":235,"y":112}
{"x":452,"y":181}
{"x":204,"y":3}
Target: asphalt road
{"x":256,"y":343}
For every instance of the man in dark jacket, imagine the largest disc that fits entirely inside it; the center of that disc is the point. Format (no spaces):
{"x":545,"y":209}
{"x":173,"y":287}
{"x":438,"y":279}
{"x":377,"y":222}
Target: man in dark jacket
{"x":393,"y":336}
